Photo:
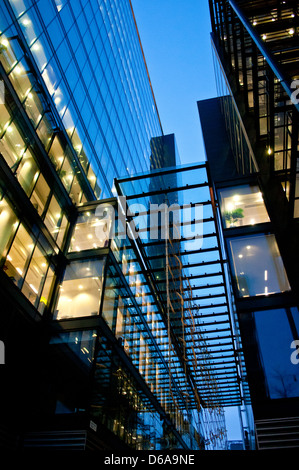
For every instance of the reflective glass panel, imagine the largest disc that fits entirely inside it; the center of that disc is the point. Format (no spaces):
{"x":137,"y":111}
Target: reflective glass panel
{"x":56,"y":153}
{"x":21,"y":79}
{"x":18,"y":255}
{"x":53,"y":218}
{"x":275,"y":339}
{"x":91,"y":230}
{"x":46,"y":290}
{"x":8,"y":225}
{"x":33,"y":107}
{"x":12,"y":146}
{"x":80,"y":342}
{"x":40,"y":194}
{"x":27,"y":172}
{"x":257,"y":266}
{"x":35,"y":275}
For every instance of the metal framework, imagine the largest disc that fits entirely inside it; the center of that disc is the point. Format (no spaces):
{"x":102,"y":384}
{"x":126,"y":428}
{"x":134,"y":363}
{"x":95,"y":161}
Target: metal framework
{"x":191,"y":287}
{"x":256,"y":45}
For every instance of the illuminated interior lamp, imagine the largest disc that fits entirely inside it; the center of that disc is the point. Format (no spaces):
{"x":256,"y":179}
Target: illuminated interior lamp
{"x":266,"y":290}
{"x":5,"y":43}
{"x":17,"y":70}
{"x":269,"y":151}
{"x":35,"y":47}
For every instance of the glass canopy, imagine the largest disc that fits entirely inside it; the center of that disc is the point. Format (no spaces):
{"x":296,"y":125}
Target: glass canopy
{"x":175,"y":223}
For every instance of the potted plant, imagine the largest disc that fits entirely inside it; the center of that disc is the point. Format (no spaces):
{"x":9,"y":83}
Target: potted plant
{"x":233,"y":216}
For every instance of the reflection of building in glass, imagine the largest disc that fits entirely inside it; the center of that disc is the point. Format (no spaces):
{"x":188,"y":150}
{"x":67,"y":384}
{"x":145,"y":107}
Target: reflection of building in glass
{"x":254,"y":165}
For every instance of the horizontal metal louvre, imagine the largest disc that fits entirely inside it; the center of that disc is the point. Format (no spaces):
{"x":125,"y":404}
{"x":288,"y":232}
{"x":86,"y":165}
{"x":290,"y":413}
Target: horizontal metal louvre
{"x":277,"y":433}
{"x":70,"y":440}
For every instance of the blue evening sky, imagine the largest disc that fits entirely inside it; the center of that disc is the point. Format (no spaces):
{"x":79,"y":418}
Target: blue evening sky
{"x":175,"y":36}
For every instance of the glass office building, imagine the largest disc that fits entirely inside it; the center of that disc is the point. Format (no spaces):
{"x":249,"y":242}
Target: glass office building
{"x":102,"y":349}
{"x":78,"y":111}
{"x":79,"y":74}
{"x":254,"y":166}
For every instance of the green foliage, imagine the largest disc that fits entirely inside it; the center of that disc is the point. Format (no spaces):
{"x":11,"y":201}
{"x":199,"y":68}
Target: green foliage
{"x":234,"y":215}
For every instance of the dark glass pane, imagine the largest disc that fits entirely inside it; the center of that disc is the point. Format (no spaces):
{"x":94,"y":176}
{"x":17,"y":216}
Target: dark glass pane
{"x":275,"y":339}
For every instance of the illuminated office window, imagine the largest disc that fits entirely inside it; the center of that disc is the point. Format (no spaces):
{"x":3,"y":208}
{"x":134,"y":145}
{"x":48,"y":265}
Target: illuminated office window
{"x":8,"y":224}
{"x":35,"y":276}
{"x":43,"y":300}
{"x":27,"y":172}
{"x":18,"y":256}
{"x":91,"y":231}
{"x":54,"y":219}
{"x":242,"y":205}
{"x":12,"y":145}
{"x":81,"y":290}
{"x":40,"y":194}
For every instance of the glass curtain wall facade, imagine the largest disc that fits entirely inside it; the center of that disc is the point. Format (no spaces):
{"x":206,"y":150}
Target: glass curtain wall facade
{"x":78,"y":110}
{"x":79,"y":73}
{"x":255,"y":48}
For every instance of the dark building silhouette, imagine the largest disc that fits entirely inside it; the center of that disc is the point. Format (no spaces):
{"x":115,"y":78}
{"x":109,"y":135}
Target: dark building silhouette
{"x":251,"y":140}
